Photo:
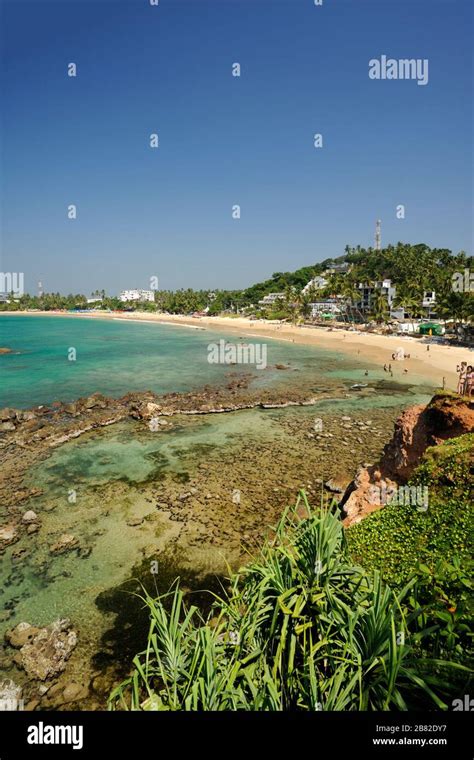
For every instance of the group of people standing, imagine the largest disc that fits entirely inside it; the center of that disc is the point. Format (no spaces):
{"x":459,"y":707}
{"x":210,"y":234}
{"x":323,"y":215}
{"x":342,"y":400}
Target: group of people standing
{"x":466,"y":379}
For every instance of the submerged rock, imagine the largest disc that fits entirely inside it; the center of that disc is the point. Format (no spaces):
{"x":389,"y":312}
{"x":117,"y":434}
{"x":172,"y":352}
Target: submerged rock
{"x":65,"y":543}
{"x":8,"y":535}
{"x":74,"y":692}
{"x":22,"y":634}
{"x":334,"y":487}
{"x":133,"y":522}
{"x":29,"y":517}
{"x":46,"y":653}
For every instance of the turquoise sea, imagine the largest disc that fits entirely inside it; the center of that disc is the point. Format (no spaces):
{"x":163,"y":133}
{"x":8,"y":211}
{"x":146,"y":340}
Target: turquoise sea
{"x":114,"y":357}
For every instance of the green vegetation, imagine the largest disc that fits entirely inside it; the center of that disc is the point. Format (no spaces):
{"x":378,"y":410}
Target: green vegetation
{"x":301,"y":628}
{"x":414,"y":269}
{"x":432,"y":546}
{"x":395,"y":539}
{"x":282,"y":282}
{"x":175,"y":302}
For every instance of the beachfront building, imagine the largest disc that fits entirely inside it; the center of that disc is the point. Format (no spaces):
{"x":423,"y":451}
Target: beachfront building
{"x":369,"y":291}
{"x":137,"y":295}
{"x":328,"y":306}
{"x":271,"y":299}
{"x":9,"y":298}
{"x":429,"y":302}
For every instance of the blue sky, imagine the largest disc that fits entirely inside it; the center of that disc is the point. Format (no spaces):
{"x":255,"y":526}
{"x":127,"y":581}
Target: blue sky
{"x":225,"y":140}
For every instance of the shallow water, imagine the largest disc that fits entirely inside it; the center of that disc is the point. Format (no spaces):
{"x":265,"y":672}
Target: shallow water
{"x":116,"y":357}
{"x":110,"y":472}
{"x":94,"y":484}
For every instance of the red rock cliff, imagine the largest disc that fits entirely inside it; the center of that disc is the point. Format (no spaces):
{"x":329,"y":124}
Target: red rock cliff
{"x":446,"y":416}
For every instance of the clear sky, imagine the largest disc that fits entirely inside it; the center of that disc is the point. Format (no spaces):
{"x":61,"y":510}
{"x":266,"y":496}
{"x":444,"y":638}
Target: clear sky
{"x":225,"y":140}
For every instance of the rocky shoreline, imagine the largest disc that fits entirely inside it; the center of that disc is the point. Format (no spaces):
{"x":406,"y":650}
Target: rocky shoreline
{"x":195,"y":511}
{"x":27,"y":435}
{"x":445,"y":417}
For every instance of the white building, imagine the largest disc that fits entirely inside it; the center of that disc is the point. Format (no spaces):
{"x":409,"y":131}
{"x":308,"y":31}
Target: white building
{"x":338,"y":269}
{"x":271,"y":299}
{"x":428,"y":303}
{"x":316,"y":283}
{"x":328,"y":306}
{"x":137,"y":295}
{"x":368,"y":293}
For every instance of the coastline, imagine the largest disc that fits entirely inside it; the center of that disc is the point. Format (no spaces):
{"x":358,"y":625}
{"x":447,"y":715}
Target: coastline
{"x":440,"y":361}
{"x":157,"y":477}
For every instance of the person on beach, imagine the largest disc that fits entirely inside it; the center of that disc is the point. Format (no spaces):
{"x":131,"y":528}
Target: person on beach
{"x":384,"y":367}
{"x":390,"y":368}
{"x":469,"y":382}
{"x":462,"y":370}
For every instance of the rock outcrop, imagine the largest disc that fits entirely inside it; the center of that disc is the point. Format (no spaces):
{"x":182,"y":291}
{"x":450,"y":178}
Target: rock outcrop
{"x":446,"y":416}
{"x":8,"y":535}
{"x":65,"y":543}
{"x":43,"y":652}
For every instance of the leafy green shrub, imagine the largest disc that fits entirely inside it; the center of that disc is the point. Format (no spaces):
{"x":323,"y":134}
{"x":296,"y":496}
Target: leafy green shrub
{"x":302,"y":628}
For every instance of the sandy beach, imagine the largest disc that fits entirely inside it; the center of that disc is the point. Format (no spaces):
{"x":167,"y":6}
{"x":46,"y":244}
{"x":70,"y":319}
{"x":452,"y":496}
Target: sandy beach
{"x":438,"y":362}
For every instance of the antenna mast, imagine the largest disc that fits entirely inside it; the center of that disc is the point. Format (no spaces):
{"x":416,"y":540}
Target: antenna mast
{"x":378,"y":235}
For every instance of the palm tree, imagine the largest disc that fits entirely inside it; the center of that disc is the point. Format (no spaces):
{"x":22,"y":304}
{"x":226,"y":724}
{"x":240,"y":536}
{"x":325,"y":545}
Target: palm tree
{"x":304,"y":305}
{"x":290,"y":302}
{"x":380,"y":308}
{"x":351,"y":295}
{"x":412,"y":301}
{"x":456,"y":307}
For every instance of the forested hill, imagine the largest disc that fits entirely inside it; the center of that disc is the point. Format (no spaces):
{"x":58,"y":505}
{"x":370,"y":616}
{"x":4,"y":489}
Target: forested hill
{"x":280,"y":281}
{"x":411,"y":267}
